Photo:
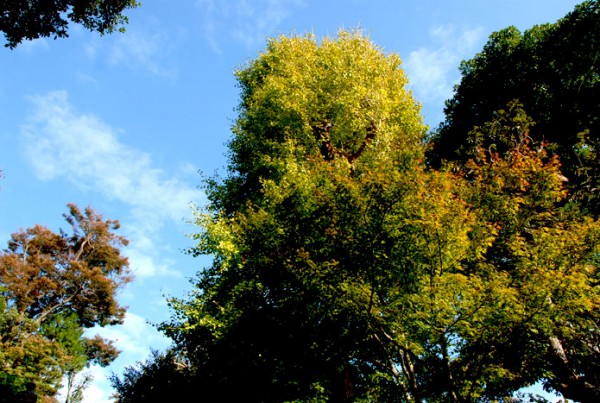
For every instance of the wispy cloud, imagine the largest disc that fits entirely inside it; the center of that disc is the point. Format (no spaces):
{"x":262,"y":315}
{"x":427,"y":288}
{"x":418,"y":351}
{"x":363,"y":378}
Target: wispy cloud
{"x":30,"y":46}
{"x":433,"y":71}
{"x":61,"y":142}
{"x":134,"y":338}
{"x":144,"y":48}
{"x":247,"y":22}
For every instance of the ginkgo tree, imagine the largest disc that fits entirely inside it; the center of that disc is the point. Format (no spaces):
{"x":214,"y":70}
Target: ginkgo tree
{"x":294,"y":229}
{"x":346,"y":269}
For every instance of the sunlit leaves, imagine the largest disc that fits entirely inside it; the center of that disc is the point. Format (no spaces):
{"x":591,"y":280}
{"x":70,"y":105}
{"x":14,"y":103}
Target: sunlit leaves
{"x":336,"y":99}
{"x":552,"y":70}
{"x":344,"y":268}
{"x":53,"y":286}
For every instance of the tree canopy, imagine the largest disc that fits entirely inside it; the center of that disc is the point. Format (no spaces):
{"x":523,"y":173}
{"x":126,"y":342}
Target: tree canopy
{"x":25,"y":19}
{"x":552,"y":70}
{"x":346,"y":269}
{"x":52,"y":287}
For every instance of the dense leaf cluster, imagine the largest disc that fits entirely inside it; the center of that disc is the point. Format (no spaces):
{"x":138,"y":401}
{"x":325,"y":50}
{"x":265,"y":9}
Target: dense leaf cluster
{"x":31,"y":19}
{"x":552,"y":70}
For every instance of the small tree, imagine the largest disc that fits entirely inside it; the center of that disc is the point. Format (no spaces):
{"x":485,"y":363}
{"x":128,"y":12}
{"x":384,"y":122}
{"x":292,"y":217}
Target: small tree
{"x":55,"y":285}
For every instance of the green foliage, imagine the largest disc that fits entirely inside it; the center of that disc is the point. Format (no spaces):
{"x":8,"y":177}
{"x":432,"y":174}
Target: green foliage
{"x":550,"y":252}
{"x":53,"y":286}
{"x":302,"y":98}
{"x":161,"y":378}
{"x":552,"y":71}
{"x":345,"y":269}
{"x":25,"y":19}
{"x":323,"y":129}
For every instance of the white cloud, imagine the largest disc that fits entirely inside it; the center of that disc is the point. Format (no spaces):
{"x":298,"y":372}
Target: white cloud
{"x":142,"y":50}
{"x":63,"y":143}
{"x":433,"y":71}
{"x":247,"y":22}
{"x":134,"y":338}
{"x":144,"y":259}
{"x":97,"y":390}
{"x":87,"y":80}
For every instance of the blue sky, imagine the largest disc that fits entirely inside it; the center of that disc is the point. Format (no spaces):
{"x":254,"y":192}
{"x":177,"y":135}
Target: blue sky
{"x":125,"y":122}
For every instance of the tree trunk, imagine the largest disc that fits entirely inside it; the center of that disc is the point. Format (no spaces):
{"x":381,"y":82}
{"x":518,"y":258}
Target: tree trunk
{"x":571,"y":385}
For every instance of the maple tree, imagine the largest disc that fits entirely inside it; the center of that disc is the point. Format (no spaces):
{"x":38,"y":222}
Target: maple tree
{"x":53,"y":286}
{"x":548,"y":249}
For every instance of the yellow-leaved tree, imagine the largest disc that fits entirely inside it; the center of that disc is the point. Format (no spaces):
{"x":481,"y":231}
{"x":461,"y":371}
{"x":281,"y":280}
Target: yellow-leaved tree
{"x":345,"y":269}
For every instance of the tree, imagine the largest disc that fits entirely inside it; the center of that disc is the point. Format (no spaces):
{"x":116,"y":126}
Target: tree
{"x":551,"y":70}
{"x":162,"y":377}
{"x":549,"y":250}
{"x":53,"y":286}
{"x":345,"y":269}
{"x":26,"y":19}
{"x":276,"y":317}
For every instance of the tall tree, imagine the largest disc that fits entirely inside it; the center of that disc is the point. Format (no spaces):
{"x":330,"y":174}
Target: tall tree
{"x":346,"y":270}
{"x":26,"y":19}
{"x":552,"y":70}
{"x":162,"y":377}
{"x":53,"y":286}
{"x":281,"y":314}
